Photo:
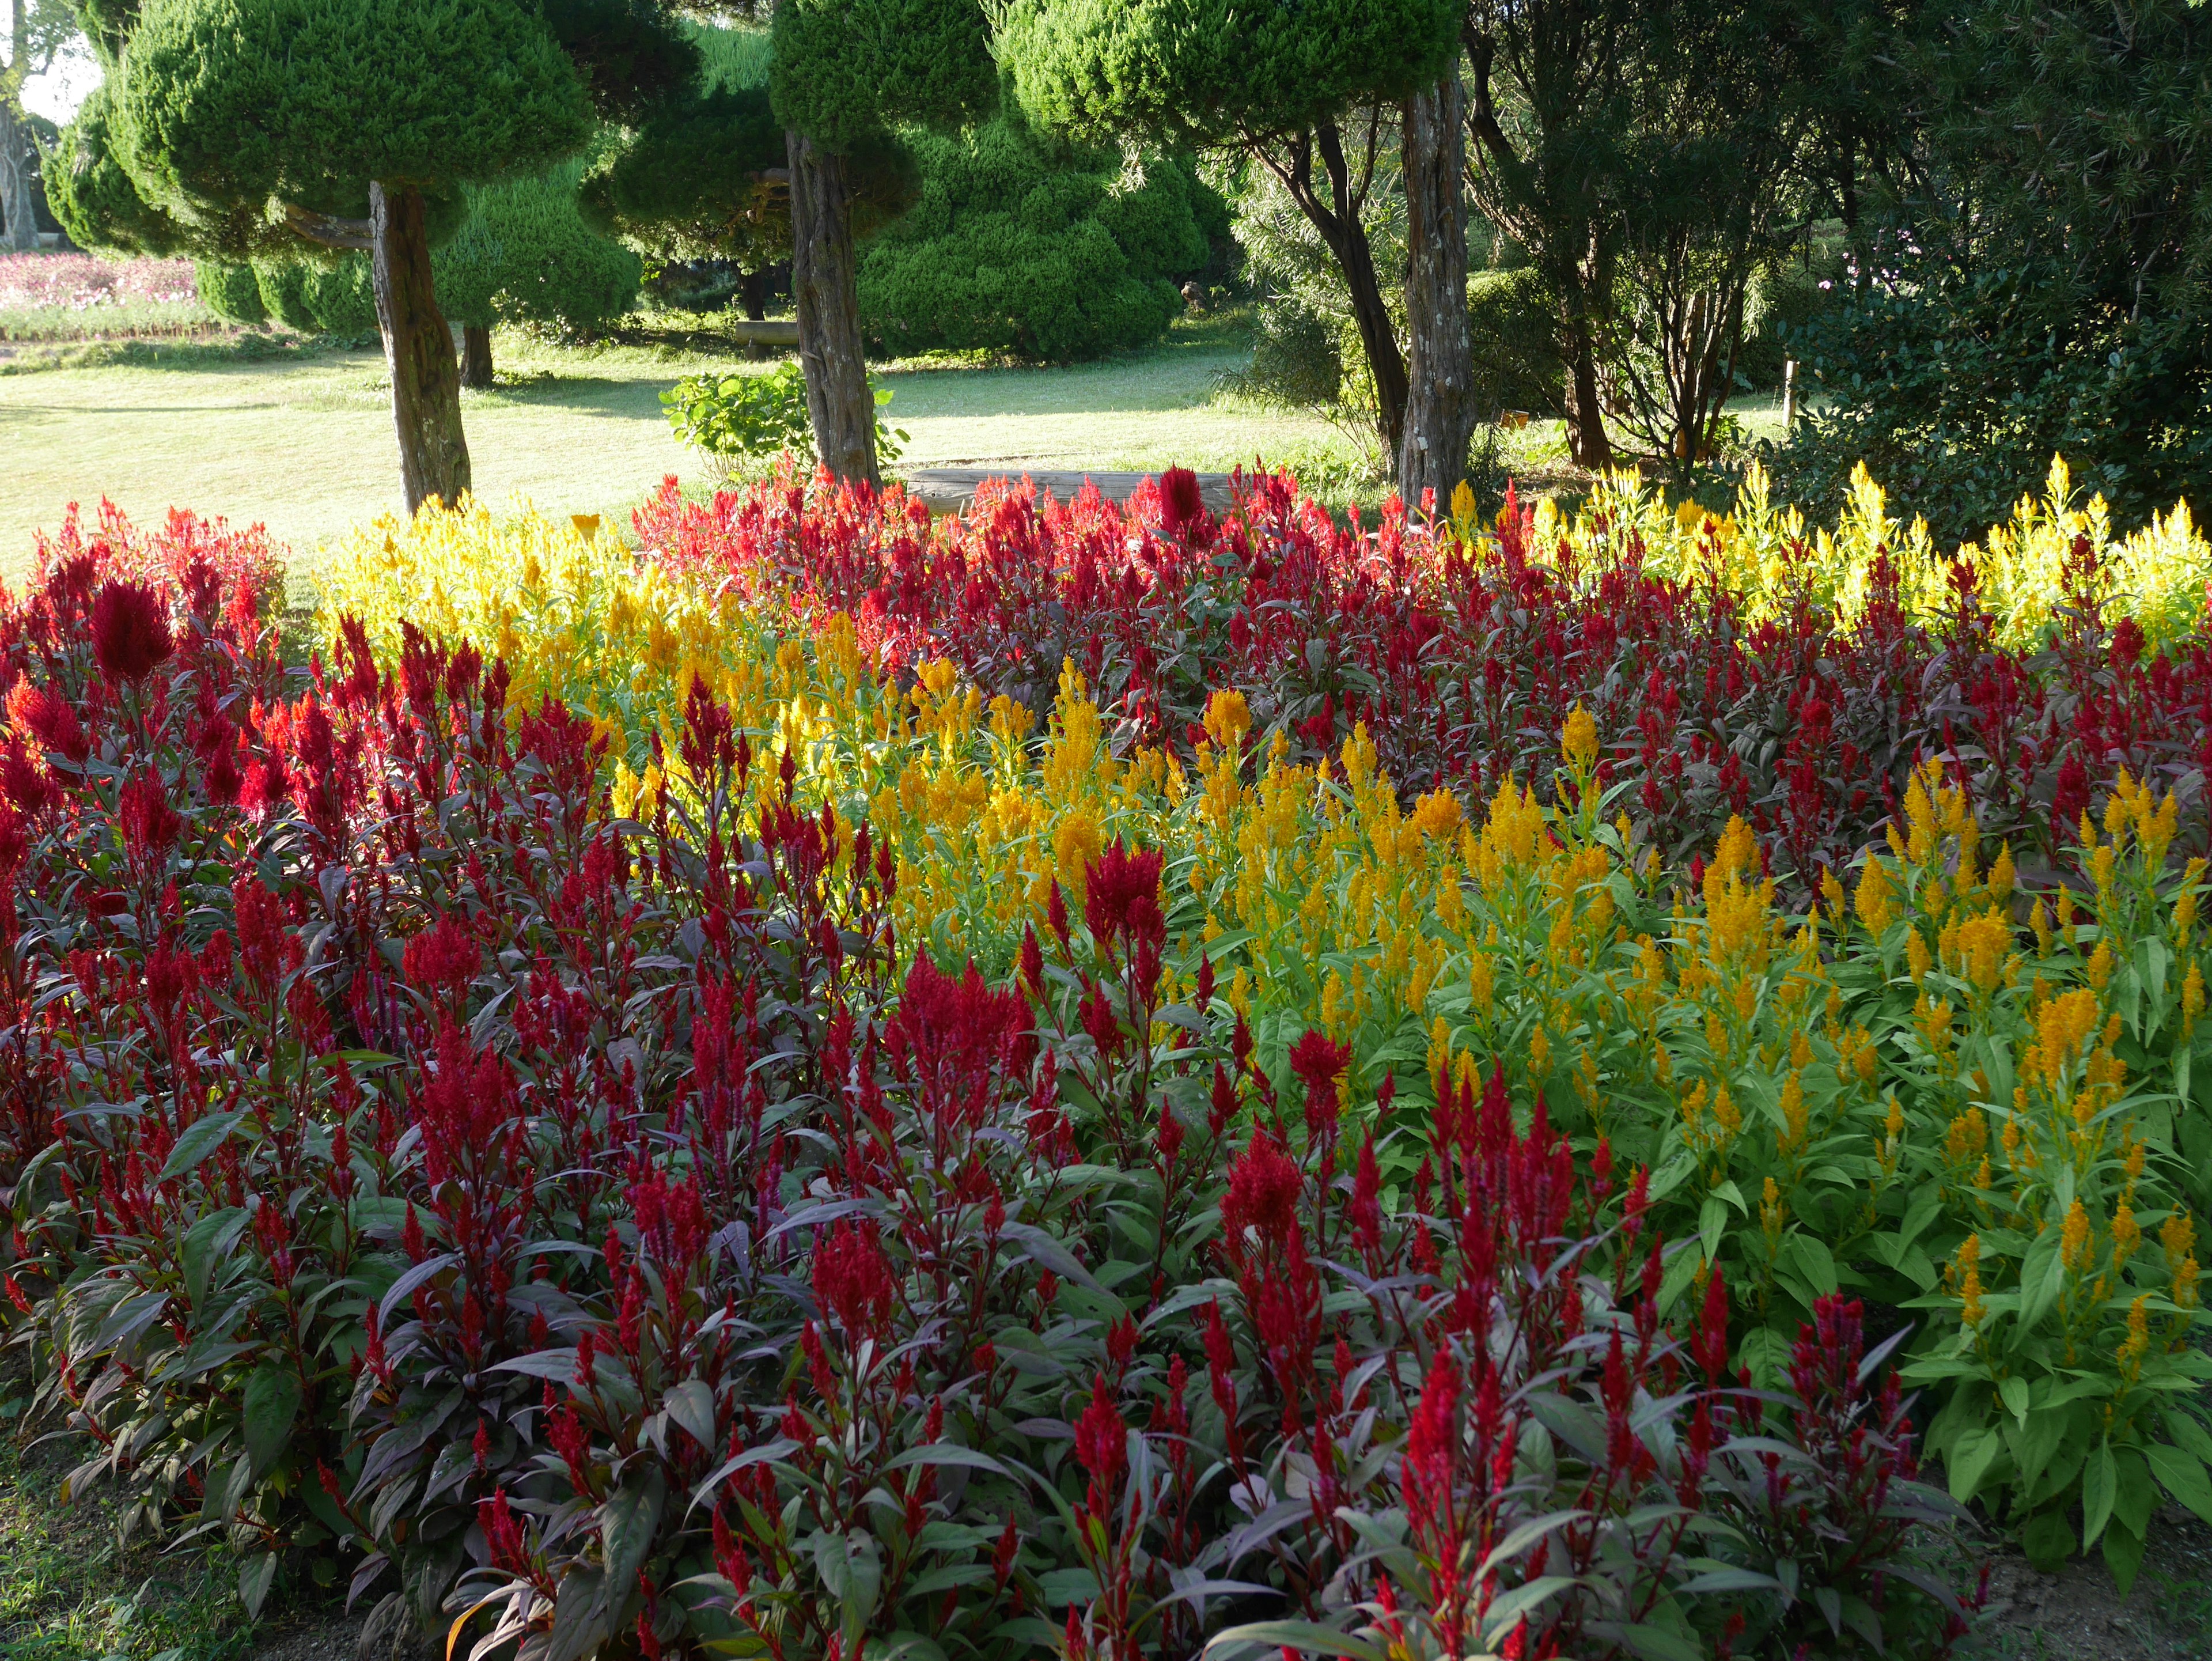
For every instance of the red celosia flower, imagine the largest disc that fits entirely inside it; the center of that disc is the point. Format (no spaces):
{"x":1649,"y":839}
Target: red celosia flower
{"x":149,"y":825}
{"x":130,"y":630}
{"x":50,"y":719}
{"x":1102,"y":1443}
{"x":1181,"y":503}
{"x":1319,"y":1061}
{"x":1263,"y":1194}
{"x":443,"y":960}
{"x":852,"y":1278}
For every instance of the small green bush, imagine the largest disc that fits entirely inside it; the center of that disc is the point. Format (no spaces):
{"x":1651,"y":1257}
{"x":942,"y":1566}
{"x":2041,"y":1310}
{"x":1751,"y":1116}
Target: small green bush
{"x":1512,"y":327}
{"x":1020,"y":246}
{"x":233,"y":292}
{"x":755,"y":417}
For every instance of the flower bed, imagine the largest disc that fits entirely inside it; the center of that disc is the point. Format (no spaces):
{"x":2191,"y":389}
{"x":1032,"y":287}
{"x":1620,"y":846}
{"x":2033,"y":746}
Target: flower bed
{"x":710,"y":1099}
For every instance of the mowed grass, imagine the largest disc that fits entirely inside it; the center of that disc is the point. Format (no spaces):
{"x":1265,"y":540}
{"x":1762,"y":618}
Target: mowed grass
{"x":303,"y":441}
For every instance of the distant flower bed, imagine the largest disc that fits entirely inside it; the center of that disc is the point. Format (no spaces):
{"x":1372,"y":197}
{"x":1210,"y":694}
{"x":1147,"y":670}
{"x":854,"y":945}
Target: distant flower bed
{"x":77,"y":281}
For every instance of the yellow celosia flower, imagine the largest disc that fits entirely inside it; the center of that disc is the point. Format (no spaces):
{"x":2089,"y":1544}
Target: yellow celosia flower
{"x":2074,"y":1237}
{"x":2137,"y":1343}
{"x":1579,"y":738}
{"x":1969,"y":1271}
{"x":1228,"y":719}
{"x":1436,"y":814}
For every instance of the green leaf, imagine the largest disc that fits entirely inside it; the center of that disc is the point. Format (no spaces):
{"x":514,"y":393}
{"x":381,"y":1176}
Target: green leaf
{"x":208,"y":1242}
{"x":201,"y":1138}
{"x":2101,"y":1478}
{"x":1712,"y":1223}
{"x":1309,"y":1637}
{"x":2048,"y":1540}
{"x":1503,"y":1614}
{"x":2042,"y":1276}
{"x":1969,"y":1460}
{"x":2124,"y":1554}
{"x":627,"y":1523}
{"x":1681,"y":1273}
{"x":691,"y":1405}
{"x":2013,"y":1390}
{"x":852,"y":1573}
{"x":1815,"y":1262}
{"x":255,"y":1576}
{"x":946,"y":1453}
{"x":272,"y":1404}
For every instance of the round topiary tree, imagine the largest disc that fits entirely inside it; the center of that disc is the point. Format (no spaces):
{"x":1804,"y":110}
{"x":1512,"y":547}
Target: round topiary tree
{"x":845,"y":73}
{"x":525,"y":255}
{"x":1279,"y":82}
{"x":1051,"y":250}
{"x":355,"y":124}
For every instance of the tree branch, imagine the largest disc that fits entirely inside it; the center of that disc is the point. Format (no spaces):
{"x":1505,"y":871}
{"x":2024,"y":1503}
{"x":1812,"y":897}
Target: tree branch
{"x":329,"y":230}
{"x":1481,"y":111}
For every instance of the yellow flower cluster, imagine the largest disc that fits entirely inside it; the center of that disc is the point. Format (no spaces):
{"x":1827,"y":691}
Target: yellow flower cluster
{"x":1772,"y":557}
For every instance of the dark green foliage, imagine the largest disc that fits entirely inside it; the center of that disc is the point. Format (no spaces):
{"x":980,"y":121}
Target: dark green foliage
{"x":1298,"y":358}
{"x":686,"y":182}
{"x":2046,"y":284}
{"x":231,"y":102}
{"x":341,"y":295}
{"x":231,"y":292}
{"x":1513,"y":322}
{"x":845,"y":70}
{"x":1216,"y":70}
{"x":1958,"y":388}
{"x":94,"y":197}
{"x":522,"y":255}
{"x":630,"y":53}
{"x":1019,"y":246}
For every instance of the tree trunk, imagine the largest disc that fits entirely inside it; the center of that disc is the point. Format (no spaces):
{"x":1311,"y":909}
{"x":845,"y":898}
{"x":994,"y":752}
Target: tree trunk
{"x":1439,"y":406}
{"x":476,"y":355}
{"x":418,"y":349}
{"x":824,"y":281}
{"x":19,"y":203}
{"x":1355,"y":256}
{"x":1586,"y":439}
{"x":752,"y":290}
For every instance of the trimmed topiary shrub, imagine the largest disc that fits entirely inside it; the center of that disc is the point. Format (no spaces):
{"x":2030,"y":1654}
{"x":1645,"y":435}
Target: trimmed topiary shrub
{"x":525,"y":255}
{"x":1023,"y":246}
{"x":231,"y":292}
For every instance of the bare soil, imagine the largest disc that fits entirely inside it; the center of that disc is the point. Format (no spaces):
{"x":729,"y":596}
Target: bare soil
{"x":2078,"y":1615}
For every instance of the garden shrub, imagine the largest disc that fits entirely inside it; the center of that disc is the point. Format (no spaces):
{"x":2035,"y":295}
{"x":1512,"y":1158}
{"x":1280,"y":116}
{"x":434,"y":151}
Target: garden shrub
{"x":748,"y":421}
{"x":1513,"y":321}
{"x":524,"y":255}
{"x":1960,"y":384}
{"x":1020,"y":245}
{"x":233,"y":292}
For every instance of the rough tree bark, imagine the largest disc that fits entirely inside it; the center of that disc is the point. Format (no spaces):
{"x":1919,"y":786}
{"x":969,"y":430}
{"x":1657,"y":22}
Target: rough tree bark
{"x":826,"y":283}
{"x":1587,"y":442}
{"x":19,"y":208}
{"x":418,"y":348}
{"x":1440,"y":368}
{"x":476,"y":355}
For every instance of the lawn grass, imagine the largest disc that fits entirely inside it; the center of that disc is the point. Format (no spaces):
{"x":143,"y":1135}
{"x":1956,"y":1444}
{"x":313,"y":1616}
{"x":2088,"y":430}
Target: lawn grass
{"x":71,"y":1590}
{"x":301,"y":439}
